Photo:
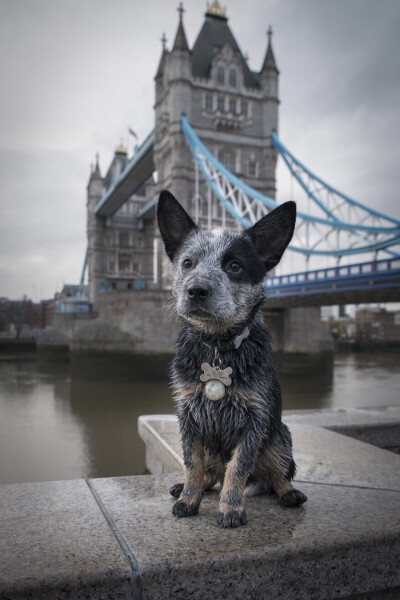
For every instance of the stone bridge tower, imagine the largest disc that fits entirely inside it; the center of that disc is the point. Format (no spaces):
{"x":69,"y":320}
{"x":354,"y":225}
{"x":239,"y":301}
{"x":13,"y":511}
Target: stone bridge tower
{"x":232,"y":108}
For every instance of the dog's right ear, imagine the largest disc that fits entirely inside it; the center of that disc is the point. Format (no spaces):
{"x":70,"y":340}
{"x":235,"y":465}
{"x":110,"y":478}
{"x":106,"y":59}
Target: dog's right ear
{"x":173,"y":221}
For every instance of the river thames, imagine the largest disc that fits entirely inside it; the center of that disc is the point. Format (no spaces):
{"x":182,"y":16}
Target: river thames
{"x":66,"y":421}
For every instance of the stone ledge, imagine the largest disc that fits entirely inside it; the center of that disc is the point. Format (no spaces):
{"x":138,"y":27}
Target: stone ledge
{"x":116,"y":538}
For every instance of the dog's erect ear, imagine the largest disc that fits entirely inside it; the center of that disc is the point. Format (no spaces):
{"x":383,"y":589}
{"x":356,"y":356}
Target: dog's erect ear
{"x":272,"y":233}
{"x":173,"y":221}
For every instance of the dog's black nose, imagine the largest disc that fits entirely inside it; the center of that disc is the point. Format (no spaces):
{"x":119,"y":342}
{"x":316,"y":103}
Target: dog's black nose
{"x":199,"y":291}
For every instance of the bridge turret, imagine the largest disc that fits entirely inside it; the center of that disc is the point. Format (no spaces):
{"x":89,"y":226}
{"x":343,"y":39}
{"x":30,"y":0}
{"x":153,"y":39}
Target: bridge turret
{"x":174,"y":97}
{"x":95,"y":228}
{"x":269,"y":76}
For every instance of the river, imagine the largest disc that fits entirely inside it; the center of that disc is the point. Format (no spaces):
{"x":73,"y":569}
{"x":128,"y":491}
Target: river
{"x":66,"y":421}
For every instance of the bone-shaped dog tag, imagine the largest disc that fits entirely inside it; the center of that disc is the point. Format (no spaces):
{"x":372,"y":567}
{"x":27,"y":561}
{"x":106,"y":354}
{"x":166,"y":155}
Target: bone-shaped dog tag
{"x":210,"y":372}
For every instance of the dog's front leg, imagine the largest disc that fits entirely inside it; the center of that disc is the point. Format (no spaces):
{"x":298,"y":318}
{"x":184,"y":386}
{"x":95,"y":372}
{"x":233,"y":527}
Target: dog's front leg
{"x":190,"y":498}
{"x":231,"y":506}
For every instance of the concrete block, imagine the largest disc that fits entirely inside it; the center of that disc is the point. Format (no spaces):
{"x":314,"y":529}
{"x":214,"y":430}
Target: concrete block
{"x":322,"y":456}
{"x":56,"y":543}
{"x":342,"y":542}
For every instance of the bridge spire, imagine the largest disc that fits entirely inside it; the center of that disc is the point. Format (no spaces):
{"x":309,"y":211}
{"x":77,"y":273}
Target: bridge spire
{"x":96,"y":172}
{"x":269,"y":63}
{"x":180,"y":39}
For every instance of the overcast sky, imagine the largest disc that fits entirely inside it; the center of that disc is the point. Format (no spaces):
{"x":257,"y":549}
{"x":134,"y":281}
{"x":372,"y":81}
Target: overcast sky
{"x":75,"y":74}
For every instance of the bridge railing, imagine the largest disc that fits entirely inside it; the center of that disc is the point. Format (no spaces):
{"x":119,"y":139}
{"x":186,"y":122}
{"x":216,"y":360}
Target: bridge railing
{"x":354,"y":276}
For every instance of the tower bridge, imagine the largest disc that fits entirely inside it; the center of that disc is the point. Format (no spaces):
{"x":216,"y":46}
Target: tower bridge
{"x":215,"y":146}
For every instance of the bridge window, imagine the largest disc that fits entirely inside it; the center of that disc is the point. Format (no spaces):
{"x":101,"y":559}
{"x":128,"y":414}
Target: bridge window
{"x":221,"y":104}
{"x":123,"y":262}
{"x":221,"y":75}
{"x":244,"y":108}
{"x":382,"y":266}
{"x":252,"y":169}
{"x":232,"y":105}
{"x":209,"y":102}
{"x":232,"y":78}
{"x":124,"y":239}
{"x":228,"y":160}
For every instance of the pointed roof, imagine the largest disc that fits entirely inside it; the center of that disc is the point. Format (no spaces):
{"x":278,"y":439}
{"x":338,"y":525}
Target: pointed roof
{"x":161,"y":64}
{"x":216,"y":33}
{"x":95,"y":171}
{"x":269,"y":63}
{"x":180,"y":39}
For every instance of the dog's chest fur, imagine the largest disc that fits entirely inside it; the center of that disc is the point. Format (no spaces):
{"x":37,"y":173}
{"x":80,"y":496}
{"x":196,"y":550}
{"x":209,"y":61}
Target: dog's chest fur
{"x":250,"y":402}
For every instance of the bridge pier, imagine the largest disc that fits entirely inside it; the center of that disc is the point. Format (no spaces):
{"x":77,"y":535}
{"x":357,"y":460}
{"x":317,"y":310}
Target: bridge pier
{"x":299,"y":331}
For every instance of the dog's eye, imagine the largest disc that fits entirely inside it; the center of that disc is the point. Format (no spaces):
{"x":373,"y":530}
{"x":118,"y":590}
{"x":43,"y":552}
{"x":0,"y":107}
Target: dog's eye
{"x":187,"y":263}
{"x":234,"y":266}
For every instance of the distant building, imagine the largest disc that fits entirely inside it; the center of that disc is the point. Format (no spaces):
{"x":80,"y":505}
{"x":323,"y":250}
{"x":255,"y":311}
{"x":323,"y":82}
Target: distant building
{"x":72,"y":299}
{"x":19,"y":315}
{"x":377,"y":325}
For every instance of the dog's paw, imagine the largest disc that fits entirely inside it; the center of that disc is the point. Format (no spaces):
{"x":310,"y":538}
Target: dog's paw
{"x":232,"y":518}
{"x":182,"y":509}
{"x":292,"y":498}
{"x":176,"y":490}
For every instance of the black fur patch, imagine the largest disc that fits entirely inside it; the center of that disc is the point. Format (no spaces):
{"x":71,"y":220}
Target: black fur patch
{"x":243,"y":251}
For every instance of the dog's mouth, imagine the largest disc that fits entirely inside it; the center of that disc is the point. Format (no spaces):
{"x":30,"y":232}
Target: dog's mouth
{"x":201,"y":314}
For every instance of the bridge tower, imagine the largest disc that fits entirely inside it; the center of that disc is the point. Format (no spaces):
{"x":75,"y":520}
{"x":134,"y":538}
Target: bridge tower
{"x":232,"y":108}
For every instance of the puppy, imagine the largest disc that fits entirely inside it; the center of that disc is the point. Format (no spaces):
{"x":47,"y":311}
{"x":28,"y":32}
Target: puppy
{"x":227,"y":394}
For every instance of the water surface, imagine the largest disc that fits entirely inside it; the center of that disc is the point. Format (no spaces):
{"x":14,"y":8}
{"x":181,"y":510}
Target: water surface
{"x":65,"y":421}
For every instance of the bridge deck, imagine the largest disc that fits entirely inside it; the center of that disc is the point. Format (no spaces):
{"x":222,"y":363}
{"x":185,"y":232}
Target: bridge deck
{"x":137,"y":170}
{"x":376,"y":281}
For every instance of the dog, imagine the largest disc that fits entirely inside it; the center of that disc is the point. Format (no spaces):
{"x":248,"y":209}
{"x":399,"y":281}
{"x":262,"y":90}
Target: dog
{"x":227,"y":393}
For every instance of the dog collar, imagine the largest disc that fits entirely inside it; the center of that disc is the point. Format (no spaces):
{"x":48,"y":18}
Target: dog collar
{"x":232,"y":345}
{"x":218,"y":379}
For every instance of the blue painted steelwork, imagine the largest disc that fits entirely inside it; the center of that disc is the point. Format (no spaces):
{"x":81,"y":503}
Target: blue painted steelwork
{"x":359,"y":276}
{"x":284,"y":152}
{"x":201,"y":155}
{"x":81,"y":283}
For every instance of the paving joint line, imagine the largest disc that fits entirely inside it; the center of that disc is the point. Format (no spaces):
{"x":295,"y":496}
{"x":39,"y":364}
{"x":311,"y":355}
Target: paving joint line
{"x":347,"y":485}
{"x":130,"y":557}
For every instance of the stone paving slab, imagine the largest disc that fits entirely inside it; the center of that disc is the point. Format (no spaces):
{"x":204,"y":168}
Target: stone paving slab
{"x":343,"y":541}
{"x":322,"y":456}
{"x":56,"y":543}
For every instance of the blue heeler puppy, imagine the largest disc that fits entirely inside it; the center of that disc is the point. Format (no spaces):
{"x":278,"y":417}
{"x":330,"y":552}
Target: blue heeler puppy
{"x":225,"y":386}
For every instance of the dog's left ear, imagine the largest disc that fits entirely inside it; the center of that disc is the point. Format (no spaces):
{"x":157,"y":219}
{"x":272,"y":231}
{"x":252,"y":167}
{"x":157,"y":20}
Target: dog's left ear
{"x":173,"y":221}
{"x":272,"y":233}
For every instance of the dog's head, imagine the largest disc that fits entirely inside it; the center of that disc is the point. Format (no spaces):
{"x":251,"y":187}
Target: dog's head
{"x":219,"y":274}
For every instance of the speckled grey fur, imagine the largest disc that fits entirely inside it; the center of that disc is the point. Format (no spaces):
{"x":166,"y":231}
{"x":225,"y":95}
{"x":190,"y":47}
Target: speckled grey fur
{"x":240,"y":438}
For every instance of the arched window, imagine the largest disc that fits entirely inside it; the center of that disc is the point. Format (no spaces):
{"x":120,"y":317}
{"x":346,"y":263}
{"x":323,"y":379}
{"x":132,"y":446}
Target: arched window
{"x":232,"y":78}
{"x":221,"y":75}
{"x":221,"y":104}
{"x":209,"y":102}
